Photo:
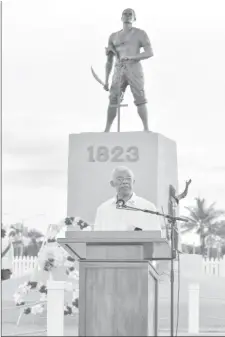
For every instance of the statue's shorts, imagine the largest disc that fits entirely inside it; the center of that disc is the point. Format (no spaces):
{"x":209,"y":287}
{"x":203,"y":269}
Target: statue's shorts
{"x":128,"y":74}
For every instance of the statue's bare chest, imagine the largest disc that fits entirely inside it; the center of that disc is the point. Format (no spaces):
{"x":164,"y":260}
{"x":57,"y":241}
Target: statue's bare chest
{"x":123,"y":39}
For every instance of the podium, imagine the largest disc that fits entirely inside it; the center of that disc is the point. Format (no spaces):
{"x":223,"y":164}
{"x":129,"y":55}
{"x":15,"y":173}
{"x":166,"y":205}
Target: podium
{"x":118,"y":285}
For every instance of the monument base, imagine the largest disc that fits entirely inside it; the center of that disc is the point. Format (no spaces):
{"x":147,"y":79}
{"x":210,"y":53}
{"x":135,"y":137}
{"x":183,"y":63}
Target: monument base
{"x":92,"y":157}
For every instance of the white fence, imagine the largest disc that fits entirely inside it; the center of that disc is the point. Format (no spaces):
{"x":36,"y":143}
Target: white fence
{"x":24,"y":265}
{"x":214,"y":267}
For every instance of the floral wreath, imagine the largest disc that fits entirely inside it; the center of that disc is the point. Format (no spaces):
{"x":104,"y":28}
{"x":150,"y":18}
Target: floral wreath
{"x":48,"y":263}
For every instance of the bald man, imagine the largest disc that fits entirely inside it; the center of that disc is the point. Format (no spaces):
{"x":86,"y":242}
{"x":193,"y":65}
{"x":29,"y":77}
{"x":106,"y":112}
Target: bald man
{"x":108,"y":217}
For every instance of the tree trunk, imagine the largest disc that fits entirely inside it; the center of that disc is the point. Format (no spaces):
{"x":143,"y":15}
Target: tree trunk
{"x":202,"y":240}
{"x":193,"y":248}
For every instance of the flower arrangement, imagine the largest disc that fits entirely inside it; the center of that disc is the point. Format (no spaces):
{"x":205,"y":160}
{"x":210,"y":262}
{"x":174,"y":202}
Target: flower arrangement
{"x":71,"y":270}
{"x":36,"y":309}
{"x":71,"y":309}
{"x":77,"y":222}
{"x":52,"y":256}
{"x":24,"y":290}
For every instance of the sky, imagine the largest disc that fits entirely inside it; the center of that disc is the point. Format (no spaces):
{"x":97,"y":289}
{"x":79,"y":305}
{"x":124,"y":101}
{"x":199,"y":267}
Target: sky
{"x":49,"y":93}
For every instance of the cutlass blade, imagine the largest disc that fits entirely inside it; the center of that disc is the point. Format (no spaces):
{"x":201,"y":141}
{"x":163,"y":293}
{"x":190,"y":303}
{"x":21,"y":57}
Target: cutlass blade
{"x":96,"y":77}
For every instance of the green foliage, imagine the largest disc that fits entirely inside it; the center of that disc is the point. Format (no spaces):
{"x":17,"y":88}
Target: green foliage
{"x":205,"y":222}
{"x":25,"y":241}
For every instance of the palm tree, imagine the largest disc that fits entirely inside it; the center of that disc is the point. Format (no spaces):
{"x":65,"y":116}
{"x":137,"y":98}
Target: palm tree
{"x":202,"y":220}
{"x":24,"y":237}
{"x":34,"y":234}
{"x":34,"y":237}
{"x":18,"y":231}
{"x":221,"y":229}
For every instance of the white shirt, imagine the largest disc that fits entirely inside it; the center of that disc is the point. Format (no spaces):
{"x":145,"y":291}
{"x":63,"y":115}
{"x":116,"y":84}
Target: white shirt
{"x":109,"y":218}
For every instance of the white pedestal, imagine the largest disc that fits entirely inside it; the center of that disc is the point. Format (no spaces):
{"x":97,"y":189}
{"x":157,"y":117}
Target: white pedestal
{"x":193,"y":308}
{"x":93,"y":156}
{"x":55,"y":308}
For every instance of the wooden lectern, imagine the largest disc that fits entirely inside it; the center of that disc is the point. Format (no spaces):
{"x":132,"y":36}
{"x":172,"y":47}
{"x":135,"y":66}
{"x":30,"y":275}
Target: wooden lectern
{"x":118,"y":286}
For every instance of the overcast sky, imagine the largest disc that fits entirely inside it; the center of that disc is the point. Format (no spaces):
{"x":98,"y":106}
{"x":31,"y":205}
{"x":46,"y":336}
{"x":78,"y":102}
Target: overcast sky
{"x":48,"y":93}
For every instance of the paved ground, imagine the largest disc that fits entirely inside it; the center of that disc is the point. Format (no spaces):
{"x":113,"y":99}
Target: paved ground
{"x":212,"y":317}
{"x":201,"y":334}
{"x":30,"y":323}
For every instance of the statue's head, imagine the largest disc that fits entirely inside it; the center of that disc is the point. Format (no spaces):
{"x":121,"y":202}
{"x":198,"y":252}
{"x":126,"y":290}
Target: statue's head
{"x":122,"y":180}
{"x":128,"y":15}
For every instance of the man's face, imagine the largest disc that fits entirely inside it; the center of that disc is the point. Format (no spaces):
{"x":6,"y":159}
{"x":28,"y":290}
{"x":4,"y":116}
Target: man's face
{"x":123,"y":182}
{"x":128,"y":16}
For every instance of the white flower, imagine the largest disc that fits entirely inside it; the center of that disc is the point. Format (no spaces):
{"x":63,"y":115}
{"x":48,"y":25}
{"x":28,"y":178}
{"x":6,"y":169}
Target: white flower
{"x":74,"y":274}
{"x":75,"y":294}
{"x":33,"y":310}
{"x":74,"y":309}
{"x":37,"y":309}
{"x":58,"y":254}
{"x":17,"y":298}
{"x":40,"y":284}
{"x":64,"y":253}
{"x":57,"y":263}
{"x":24,"y":289}
{"x":41,"y":309}
{"x":23,"y":286}
{"x":88,"y":228}
{"x":77,"y":219}
{"x":69,"y":264}
{"x":53,"y":231}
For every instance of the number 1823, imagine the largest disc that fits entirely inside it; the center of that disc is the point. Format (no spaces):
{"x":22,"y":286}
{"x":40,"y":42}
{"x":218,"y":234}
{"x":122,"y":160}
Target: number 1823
{"x":114,"y":154}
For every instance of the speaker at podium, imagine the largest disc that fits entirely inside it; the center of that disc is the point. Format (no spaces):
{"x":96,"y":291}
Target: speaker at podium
{"x":93,"y":156}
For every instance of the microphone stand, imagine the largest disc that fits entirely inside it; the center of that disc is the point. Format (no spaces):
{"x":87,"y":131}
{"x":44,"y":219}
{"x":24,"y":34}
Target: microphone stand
{"x":172,"y":219}
{"x":173,"y":249}
{"x":173,"y":203}
{"x":167,"y":216}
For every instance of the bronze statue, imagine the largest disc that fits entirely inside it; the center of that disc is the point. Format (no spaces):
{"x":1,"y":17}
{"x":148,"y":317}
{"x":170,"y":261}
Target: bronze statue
{"x":125,"y":45}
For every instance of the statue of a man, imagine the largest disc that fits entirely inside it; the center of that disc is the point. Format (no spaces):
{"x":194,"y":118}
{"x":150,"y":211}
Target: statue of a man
{"x":125,"y":45}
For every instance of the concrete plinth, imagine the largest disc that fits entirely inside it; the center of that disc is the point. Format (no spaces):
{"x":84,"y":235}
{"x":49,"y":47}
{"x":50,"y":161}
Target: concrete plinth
{"x":93,"y":156}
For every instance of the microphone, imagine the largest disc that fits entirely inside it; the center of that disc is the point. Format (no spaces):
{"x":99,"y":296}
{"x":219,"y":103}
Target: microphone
{"x":120,"y":203}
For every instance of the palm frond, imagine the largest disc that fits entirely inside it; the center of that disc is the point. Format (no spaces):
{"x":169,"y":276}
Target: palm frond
{"x":188,"y":227}
{"x":186,"y":230}
{"x":212,"y":207}
{"x":220,"y":229}
{"x":211,"y":218}
{"x":193,"y":215}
